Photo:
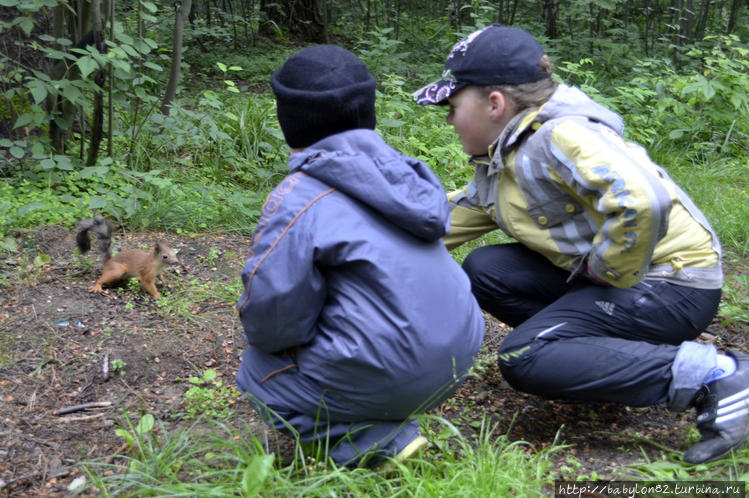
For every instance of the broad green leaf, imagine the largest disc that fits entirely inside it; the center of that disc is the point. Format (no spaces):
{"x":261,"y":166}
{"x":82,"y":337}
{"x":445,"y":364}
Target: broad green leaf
{"x":151,"y":65}
{"x":221,"y":66}
{"x":255,"y":474}
{"x":42,"y":259}
{"x":37,"y":150}
{"x":87,"y":65}
{"x":122,"y":37}
{"x":63,"y":163}
{"x":23,"y":120}
{"x":150,"y":7}
{"x":145,"y":424}
{"x":71,"y":93}
{"x":391,"y":123}
{"x":126,"y":436}
{"x":97,"y":202}
{"x":16,"y":152}
{"x":39,"y":93}
{"x":90,"y":171}
{"x":27,"y":25}
{"x":30,"y":207}
{"x":129,"y":50}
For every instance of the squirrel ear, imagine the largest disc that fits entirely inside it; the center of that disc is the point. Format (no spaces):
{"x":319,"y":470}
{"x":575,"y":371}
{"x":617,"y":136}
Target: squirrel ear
{"x":157,"y":248}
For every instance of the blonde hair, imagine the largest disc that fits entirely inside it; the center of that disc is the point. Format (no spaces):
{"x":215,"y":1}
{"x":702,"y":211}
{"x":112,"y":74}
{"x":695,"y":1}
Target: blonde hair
{"x":526,"y":95}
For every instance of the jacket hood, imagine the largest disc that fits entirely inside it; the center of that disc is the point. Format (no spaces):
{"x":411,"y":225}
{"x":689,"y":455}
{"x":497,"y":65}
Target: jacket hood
{"x":566,"y":102}
{"x":402,"y":189}
{"x":570,"y":101}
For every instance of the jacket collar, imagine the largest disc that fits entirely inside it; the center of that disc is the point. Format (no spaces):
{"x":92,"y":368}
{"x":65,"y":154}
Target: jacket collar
{"x":511,"y":136}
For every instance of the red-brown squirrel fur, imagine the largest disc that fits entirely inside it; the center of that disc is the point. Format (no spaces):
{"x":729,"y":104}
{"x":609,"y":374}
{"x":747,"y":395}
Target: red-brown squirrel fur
{"x":145,"y":265}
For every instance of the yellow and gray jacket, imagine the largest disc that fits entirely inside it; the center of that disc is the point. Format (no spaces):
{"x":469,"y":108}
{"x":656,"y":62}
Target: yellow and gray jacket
{"x":563,"y":181}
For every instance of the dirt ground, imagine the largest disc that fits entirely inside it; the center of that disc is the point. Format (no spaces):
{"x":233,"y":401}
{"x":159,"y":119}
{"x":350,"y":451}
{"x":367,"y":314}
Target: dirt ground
{"x":59,"y":405}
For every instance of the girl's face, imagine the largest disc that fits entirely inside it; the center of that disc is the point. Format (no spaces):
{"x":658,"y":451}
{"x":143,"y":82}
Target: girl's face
{"x":474,"y":117}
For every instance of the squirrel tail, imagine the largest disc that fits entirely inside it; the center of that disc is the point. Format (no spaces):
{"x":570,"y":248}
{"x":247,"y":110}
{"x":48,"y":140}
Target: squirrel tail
{"x":102,"y":228}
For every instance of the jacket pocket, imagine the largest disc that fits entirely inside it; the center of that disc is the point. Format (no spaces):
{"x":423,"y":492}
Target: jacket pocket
{"x":553,"y":212}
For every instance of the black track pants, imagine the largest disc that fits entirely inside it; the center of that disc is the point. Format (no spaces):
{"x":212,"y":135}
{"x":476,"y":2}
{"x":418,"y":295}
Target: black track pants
{"x":580,"y":340}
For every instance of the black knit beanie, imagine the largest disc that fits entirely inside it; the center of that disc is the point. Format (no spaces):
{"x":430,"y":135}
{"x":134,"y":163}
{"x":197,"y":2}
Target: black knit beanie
{"x":320,"y":91}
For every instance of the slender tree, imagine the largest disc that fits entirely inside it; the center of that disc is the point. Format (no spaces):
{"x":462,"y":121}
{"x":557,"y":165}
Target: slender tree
{"x":181,"y":14}
{"x":733,"y":15}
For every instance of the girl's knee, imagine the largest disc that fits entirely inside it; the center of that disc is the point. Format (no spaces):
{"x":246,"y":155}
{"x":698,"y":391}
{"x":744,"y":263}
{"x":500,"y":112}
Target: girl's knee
{"x":515,"y":364}
{"x":474,"y":264}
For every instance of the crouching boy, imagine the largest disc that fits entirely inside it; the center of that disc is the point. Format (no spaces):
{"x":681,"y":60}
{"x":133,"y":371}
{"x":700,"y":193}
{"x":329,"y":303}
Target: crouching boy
{"x":355,"y":314}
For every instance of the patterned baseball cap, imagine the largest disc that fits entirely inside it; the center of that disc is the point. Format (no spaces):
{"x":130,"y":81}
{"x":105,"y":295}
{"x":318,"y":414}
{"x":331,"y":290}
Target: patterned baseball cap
{"x":495,"y":55}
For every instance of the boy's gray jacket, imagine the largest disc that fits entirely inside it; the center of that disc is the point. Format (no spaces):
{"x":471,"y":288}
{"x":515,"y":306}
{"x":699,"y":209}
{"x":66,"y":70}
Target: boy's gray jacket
{"x":348,"y":274}
{"x":564,"y":182}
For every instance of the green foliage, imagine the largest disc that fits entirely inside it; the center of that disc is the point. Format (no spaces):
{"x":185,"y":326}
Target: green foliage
{"x":188,"y":461}
{"x":118,"y":367}
{"x":108,"y":188}
{"x":710,"y":105}
{"x":735,"y":306}
{"x":257,"y":63}
{"x":420,"y":132}
{"x":209,"y":397}
{"x":381,"y":52}
{"x":31,"y":95}
{"x":213,"y":458}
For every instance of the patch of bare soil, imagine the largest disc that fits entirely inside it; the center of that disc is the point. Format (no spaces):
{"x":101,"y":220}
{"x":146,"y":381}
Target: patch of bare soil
{"x":73,"y":363}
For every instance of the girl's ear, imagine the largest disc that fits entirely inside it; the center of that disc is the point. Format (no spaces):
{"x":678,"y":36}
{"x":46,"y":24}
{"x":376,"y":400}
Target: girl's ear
{"x":498,"y":105}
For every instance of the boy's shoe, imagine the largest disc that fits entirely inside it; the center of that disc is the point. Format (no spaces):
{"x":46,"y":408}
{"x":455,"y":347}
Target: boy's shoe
{"x":411,"y":448}
{"x":722,"y":414}
{"x":407,"y":452}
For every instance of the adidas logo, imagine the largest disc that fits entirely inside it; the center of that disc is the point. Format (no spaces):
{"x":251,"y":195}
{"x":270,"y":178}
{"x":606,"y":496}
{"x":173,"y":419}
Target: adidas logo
{"x":606,"y":306}
{"x":732,"y":407}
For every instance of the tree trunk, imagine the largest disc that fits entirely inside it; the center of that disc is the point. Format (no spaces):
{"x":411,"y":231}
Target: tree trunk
{"x":179,"y":27}
{"x":308,"y":20}
{"x":110,"y":81}
{"x":734,"y":14}
{"x":514,"y":11}
{"x":67,"y":24}
{"x":699,"y":30}
{"x":550,"y":14}
{"x":97,"y":125}
{"x":686,"y":22}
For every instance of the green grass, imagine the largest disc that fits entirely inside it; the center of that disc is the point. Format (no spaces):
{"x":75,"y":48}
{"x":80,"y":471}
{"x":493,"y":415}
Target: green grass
{"x":719,"y":186}
{"x":219,"y":459}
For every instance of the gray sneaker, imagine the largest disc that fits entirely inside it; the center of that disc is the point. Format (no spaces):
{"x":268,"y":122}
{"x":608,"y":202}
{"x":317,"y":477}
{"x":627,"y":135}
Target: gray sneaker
{"x":722,"y":414}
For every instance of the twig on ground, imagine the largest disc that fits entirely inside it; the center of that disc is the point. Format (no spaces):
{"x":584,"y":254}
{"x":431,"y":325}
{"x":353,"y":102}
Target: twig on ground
{"x":84,"y":406}
{"x":81,"y":419}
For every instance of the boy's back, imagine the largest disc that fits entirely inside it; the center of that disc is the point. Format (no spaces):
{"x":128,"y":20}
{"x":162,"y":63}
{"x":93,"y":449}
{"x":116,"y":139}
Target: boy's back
{"x":365,"y":225}
{"x":356,"y":315}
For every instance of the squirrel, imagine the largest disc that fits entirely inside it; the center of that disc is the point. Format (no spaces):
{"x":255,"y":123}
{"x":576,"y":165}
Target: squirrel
{"x":125,"y":264}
